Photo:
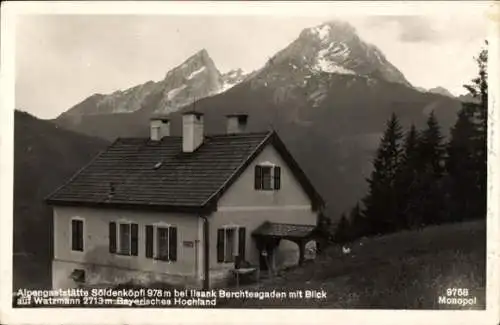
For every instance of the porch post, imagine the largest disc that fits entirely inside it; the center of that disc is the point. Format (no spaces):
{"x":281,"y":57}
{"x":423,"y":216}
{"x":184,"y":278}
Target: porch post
{"x":301,"y":251}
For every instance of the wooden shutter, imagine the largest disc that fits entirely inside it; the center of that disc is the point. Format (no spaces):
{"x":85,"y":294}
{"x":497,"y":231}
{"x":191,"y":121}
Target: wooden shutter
{"x":74,"y":234}
{"x":258,"y":178}
{"x":112,"y":237}
{"x":277,"y":177}
{"x":220,"y":245}
{"x":241,"y":243}
{"x":149,"y":241}
{"x":80,"y":235}
{"x":134,"y":239}
{"x":172,"y":243}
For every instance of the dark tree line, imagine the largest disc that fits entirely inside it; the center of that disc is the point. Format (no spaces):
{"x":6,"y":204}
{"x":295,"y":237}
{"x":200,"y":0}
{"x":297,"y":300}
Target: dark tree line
{"x":419,"y":179}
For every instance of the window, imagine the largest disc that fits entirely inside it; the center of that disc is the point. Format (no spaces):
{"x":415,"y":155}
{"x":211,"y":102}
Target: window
{"x":161,"y":242}
{"x":77,"y":235}
{"x":230,"y":243}
{"x":267,"y":177}
{"x":124,"y":238}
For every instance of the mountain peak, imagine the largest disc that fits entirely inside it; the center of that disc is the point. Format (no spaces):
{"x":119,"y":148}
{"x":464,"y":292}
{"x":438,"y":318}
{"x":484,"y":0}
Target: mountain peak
{"x":441,"y":91}
{"x":333,"y":47}
{"x":201,"y":55}
{"x":331,"y":30}
{"x":194,"y":62}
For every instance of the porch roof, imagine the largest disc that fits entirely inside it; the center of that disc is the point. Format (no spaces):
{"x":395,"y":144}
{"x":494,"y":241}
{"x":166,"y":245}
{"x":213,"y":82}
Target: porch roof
{"x":283,"y":230}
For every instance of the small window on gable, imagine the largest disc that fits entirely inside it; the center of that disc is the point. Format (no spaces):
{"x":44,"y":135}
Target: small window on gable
{"x":267,"y":177}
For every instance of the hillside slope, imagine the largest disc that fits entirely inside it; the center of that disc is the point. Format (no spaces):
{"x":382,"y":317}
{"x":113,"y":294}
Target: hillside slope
{"x":406,"y":270}
{"x":44,"y":157}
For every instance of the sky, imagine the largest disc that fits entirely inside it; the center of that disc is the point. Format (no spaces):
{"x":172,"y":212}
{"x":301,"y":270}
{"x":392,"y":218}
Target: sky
{"x":62,"y":59}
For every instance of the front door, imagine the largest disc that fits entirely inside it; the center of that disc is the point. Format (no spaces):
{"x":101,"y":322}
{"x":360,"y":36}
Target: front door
{"x":264,"y":260}
{"x":266,"y":255}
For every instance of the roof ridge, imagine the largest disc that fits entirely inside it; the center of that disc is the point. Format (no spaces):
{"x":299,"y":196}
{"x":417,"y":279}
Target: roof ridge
{"x":208,"y":136}
{"x":245,"y":134}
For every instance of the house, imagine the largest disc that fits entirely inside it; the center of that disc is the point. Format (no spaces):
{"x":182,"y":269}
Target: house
{"x":182,"y":209}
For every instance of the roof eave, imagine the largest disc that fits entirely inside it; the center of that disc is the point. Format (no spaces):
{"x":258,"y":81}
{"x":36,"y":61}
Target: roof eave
{"x":200,"y":210}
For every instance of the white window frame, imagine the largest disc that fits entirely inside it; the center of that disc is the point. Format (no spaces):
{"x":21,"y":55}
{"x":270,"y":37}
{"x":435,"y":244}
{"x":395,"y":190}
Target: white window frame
{"x":71,"y":233}
{"x":272,"y":166}
{"x":119,"y":237}
{"x":236,"y":229}
{"x":156,"y":242}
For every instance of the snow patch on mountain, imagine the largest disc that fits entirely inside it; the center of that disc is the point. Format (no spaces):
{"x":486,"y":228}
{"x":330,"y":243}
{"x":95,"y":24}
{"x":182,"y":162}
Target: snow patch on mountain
{"x":325,"y":64}
{"x":174,"y":92}
{"x":194,"y":73}
{"x":322,"y":32}
{"x":231,"y":79}
{"x":328,"y":66}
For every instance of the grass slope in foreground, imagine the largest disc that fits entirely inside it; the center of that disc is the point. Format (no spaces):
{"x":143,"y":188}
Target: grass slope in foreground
{"x":405,"y":270}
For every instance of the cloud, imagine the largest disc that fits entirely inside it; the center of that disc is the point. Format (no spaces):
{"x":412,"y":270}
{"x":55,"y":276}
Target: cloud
{"x":411,"y":29}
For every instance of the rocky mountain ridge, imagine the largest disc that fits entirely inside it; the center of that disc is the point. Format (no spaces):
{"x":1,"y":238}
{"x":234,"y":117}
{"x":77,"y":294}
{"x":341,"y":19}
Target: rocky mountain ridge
{"x":328,"y":94}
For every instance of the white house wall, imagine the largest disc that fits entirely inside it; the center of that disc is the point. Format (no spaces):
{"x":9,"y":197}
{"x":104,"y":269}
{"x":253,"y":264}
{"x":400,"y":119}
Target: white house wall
{"x":243,"y":205}
{"x":103,"y":266}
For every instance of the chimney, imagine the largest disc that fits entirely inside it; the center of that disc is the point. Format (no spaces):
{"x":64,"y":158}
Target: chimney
{"x":192,"y":131}
{"x":159,"y":128}
{"x":236,"y":123}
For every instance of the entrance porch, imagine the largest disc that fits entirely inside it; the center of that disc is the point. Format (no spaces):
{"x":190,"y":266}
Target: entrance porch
{"x":269,"y":235}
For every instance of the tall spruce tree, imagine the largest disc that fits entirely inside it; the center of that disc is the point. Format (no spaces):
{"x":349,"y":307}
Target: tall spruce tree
{"x":467,"y":150}
{"x":342,"y":231}
{"x":430,"y":167}
{"x":461,"y":166}
{"x":408,"y":181}
{"x":380,"y":203}
{"x":358,"y":222}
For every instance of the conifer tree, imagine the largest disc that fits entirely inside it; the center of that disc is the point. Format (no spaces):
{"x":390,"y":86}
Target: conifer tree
{"x":467,"y":150}
{"x":380,"y":203}
{"x":462,"y":180}
{"x":407,"y":181}
{"x":341,"y":235}
{"x":430,"y":167}
{"x":358,"y":222}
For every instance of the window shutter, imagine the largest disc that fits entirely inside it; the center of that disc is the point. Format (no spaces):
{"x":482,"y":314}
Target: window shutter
{"x":277,"y":178}
{"x":258,"y":177}
{"x":74,"y":232}
{"x":149,"y":241}
{"x":134,"y":241}
{"x":80,"y":235}
{"x":241,"y":243}
{"x":172,"y":243}
{"x":112,"y":237}
{"x":220,"y":245}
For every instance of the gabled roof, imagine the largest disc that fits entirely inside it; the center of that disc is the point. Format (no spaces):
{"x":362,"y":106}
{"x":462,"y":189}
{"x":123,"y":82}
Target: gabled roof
{"x":141,"y":173}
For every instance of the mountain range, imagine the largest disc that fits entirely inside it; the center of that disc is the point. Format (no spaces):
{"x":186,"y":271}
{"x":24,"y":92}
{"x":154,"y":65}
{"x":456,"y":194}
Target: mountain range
{"x":197,"y":77}
{"x":328,"y":94}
